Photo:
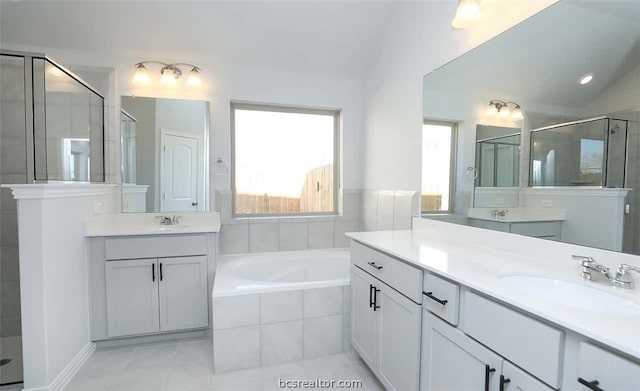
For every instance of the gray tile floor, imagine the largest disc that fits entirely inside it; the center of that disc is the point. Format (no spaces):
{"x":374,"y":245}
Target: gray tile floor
{"x":187,"y":366}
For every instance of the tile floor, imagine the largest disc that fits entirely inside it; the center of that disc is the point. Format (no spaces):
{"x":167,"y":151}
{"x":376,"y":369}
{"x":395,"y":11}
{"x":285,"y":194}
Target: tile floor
{"x":187,"y":366}
{"x":11,"y":348}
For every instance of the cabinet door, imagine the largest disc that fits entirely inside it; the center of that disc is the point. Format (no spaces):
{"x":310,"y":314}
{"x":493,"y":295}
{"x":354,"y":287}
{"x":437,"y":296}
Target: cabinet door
{"x":364,"y":327}
{"x":132,"y":297}
{"x":515,"y":379}
{"x":611,"y":372}
{"x":452,"y":361}
{"x":183,"y":293}
{"x":399,"y":354}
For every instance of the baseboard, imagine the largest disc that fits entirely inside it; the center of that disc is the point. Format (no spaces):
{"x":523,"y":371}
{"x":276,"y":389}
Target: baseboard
{"x":64,"y":377}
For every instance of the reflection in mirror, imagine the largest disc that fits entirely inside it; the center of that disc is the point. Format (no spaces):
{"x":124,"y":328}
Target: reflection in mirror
{"x":164,"y":155}
{"x":573,"y":177}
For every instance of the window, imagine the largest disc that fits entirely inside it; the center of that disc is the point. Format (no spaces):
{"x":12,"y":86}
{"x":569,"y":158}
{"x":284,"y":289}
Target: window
{"x":438,"y":166}
{"x":284,"y":160}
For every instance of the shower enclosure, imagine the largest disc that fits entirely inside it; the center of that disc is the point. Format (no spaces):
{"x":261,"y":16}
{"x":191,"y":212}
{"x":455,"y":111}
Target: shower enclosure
{"x":600,"y":152}
{"x":51,"y":129}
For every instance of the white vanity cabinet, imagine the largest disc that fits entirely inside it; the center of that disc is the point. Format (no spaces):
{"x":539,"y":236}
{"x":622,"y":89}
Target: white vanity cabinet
{"x":453,"y":361}
{"x":599,"y":369}
{"x":385,"y":322}
{"x":151,"y":295}
{"x":146,"y":285}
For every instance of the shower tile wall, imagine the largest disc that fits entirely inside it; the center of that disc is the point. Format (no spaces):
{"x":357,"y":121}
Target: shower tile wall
{"x":12,"y":170}
{"x":362,"y":210}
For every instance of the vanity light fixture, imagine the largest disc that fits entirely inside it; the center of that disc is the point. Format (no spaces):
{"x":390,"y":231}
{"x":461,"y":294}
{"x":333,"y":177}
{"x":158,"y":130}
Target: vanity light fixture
{"x":585,"y":78}
{"x":169,"y":73}
{"x":505,"y":109}
{"x":466,"y":13}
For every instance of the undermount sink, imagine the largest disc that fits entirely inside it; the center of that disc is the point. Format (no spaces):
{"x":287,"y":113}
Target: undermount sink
{"x":571,"y":294}
{"x":164,"y":228}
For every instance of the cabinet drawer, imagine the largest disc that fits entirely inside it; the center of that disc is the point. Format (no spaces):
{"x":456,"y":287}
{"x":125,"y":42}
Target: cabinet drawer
{"x":155,"y":247}
{"x":518,"y":380}
{"x":546,"y":229}
{"x":523,"y":340}
{"x":436,"y":288}
{"x":612,"y":372}
{"x":404,"y":278}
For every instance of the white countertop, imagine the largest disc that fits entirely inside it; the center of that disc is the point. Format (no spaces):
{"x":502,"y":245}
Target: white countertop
{"x":139,"y":224}
{"x":478,"y":263}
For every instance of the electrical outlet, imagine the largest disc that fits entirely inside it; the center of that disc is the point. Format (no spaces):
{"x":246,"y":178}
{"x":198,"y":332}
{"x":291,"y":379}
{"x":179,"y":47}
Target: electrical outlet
{"x":97,"y":208}
{"x":500,"y":201}
{"x":547,"y":203}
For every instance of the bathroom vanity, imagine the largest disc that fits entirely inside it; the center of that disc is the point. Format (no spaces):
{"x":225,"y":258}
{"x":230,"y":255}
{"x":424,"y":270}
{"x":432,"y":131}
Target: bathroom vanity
{"x":433,"y":312}
{"x":147,"y":278}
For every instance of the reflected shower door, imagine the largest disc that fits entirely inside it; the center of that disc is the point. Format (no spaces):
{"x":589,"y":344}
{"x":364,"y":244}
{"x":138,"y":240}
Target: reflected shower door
{"x":631,"y":236}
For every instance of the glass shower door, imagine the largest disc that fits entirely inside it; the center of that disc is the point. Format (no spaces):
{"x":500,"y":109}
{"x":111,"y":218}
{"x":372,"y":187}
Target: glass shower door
{"x":631,"y":239}
{"x":13,"y":169}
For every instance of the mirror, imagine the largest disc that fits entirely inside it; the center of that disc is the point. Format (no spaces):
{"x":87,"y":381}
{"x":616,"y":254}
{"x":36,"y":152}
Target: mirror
{"x":164,"y":155}
{"x":564,"y":171}
{"x":497,"y":166}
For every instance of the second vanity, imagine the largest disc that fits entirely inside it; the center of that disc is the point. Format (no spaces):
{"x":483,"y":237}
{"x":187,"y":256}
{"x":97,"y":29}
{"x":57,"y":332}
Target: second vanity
{"x":147,"y":278}
{"x":444,"y":309}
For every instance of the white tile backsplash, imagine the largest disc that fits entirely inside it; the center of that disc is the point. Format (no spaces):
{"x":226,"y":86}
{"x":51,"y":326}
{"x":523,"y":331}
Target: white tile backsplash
{"x":293,"y":236}
{"x":234,"y":238}
{"x":264,"y":237}
{"x":341,"y":227}
{"x":385,"y":210}
{"x":320,"y":234}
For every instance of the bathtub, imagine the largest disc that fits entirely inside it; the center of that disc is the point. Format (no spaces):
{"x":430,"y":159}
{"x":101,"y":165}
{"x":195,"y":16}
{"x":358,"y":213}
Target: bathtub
{"x":275,"y":308}
{"x":246,"y":274}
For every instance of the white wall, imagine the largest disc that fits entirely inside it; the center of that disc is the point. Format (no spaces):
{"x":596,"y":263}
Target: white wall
{"x":393,"y":88}
{"x":54,"y":278}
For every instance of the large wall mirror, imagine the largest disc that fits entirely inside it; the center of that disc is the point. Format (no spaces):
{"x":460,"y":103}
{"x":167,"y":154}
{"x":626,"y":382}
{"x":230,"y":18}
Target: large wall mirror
{"x":164,"y":155}
{"x":548,"y":117}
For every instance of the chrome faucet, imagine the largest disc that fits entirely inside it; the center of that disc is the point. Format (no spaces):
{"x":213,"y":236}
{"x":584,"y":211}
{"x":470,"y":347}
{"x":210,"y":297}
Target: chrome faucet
{"x":621,"y":279}
{"x":169,"y":220}
{"x":499,"y":213}
{"x":589,"y":264}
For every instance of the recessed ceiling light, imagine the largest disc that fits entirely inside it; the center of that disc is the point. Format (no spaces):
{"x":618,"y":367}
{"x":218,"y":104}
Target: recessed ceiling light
{"x":586,"y":78}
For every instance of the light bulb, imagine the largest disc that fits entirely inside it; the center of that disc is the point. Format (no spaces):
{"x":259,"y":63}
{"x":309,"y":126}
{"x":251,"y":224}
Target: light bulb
{"x":194,"y":78}
{"x":586,"y":78}
{"x":492,"y":110}
{"x":517,"y":113}
{"x":141,"y":75}
{"x":504,"y":111}
{"x":467,"y":11}
{"x":168,"y":76}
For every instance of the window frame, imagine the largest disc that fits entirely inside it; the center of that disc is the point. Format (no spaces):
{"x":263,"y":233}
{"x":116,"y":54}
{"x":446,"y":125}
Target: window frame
{"x":453,"y":160}
{"x":337,"y":119}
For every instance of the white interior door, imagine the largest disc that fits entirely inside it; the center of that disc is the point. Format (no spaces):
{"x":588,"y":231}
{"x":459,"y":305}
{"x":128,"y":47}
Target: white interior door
{"x":179,"y":173}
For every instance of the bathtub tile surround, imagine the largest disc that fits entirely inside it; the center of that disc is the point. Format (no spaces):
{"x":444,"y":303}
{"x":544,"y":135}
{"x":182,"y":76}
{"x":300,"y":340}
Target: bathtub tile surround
{"x":284,"y":327}
{"x":368,"y":210}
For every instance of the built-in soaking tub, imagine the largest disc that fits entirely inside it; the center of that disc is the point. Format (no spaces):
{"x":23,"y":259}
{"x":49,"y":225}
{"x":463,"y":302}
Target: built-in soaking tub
{"x":279,"y":307}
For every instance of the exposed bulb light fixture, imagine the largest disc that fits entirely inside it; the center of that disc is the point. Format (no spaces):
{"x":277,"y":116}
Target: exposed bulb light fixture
{"x":466,"y":13}
{"x":585,"y":78}
{"x":505,"y":109}
{"x":169,"y":73}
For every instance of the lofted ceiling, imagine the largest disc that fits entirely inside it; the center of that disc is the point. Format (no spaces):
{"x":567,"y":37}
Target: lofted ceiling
{"x":326,"y":37}
{"x":541,"y":59}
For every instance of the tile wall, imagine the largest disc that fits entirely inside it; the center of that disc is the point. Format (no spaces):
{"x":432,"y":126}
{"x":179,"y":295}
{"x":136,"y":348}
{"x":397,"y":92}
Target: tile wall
{"x":368,"y":210}
{"x":268,"y":329}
